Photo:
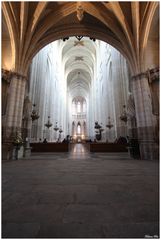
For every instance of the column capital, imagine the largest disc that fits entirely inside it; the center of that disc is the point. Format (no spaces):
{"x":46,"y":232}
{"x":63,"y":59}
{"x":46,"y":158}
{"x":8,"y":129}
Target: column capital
{"x":151,"y":74}
{"x":18,"y":75}
{"x":8,"y":74}
{"x":139,"y":76}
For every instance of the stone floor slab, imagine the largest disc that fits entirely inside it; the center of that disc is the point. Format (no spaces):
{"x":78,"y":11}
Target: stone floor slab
{"x":71,"y":231}
{"x":93,"y":195}
{"x":137,"y":230}
{"x":20,"y":230}
{"x":40,"y":213}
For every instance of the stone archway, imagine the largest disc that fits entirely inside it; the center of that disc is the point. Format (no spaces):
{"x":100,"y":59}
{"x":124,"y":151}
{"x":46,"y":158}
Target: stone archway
{"x":29,"y":33}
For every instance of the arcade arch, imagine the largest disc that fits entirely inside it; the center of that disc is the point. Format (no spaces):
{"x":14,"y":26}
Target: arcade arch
{"x":28,"y":27}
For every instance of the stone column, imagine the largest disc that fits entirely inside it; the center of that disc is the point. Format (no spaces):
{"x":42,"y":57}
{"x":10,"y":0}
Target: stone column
{"x":14,"y":109}
{"x":27,"y":120}
{"x":131,"y":117}
{"x":144,"y":117}
{"x":27,"y":150}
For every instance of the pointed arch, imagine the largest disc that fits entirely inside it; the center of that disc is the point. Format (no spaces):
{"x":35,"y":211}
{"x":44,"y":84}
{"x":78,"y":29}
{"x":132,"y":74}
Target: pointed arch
{"x":123,"y":22}
{"x":11,"y":25}
{"x":135,"y":9}
{"x":145,"y":27}
{"x":78,"y":30}
{"x":41,"y":6}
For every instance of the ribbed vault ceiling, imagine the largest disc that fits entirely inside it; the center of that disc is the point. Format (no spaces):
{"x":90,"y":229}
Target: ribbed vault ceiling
{"x":78,"y":58}
{"x":33,"y":25}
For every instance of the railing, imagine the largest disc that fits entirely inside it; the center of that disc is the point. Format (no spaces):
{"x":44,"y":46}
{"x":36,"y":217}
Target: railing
{"x":79,"y":116}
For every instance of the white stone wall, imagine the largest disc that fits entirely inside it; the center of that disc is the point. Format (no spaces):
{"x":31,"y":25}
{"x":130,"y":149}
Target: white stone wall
{"x":48,"y":92}
{"x":107,"y":94}
{"x":109,"y":90}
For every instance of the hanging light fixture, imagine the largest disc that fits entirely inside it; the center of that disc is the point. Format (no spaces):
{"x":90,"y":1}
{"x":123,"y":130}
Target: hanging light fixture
{"x":99,"y":130}
{"x":123,"y":116}
{"x":56,"y":127}
{"x":48,"y":124}
{"x":109,"y":124}
{"x":97,"y":126}
{"x":34,"y":114}
{"x":79,"y":38}
{"x":60,"y":130}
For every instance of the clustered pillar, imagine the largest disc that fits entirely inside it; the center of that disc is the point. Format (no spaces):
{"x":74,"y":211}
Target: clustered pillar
{"x":144,"y":117}
{"x":14,"y":111}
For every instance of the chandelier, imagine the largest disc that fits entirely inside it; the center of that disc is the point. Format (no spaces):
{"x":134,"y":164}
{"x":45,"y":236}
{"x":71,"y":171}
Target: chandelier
{"x":99,"y":130}
{"x":79,"y":38}
{"x":60,"y":130}
{"x":48,"y":124}
{"x":56,"y":127}
{"x":34,"y":114}
{"x":109,"y":125}
{"x":123,"y":116}
{"x":98,"y":127}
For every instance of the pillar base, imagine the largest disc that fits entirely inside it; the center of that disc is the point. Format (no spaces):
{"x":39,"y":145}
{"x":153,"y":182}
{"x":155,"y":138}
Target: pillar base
{"x":27,"y":152}
{"x":15,"y":153}
{"x":7,"y":149}
{"x":149,"y":150}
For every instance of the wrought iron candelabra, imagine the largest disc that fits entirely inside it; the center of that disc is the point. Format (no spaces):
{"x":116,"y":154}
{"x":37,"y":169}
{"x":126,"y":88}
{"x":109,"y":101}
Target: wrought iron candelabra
{"x":123,"y":116}
{"x":97,"y":125}
{"x":56,"y":127}
{"x":99,"y":130}
{"x":109,"y":124}
{"x":34,"y":114}
{"x":60,"y":130}
{"x":48,"y":124}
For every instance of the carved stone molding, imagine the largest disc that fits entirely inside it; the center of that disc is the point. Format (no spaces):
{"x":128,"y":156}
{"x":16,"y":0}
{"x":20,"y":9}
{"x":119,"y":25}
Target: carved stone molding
{"x":80,"y":12}
{"x":78,"y":43}
{"x":139,"y":76}
{"x":153,"y":74}
{"x":18,"y":75}
{"x":150,"y":74}
{"x":7,"y":75}
{"x":78,"y":58}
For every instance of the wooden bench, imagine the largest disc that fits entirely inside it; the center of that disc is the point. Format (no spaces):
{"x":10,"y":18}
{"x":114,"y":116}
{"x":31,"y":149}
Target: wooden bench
{"x":108,"y":147}
{"x":49,"y":147}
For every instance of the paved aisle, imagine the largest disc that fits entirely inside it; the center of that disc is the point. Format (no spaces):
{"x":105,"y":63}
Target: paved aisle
{"x":80,"y":195}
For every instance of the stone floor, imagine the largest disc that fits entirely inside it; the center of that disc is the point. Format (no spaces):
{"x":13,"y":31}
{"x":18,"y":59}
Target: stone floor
{"x":80,"y":195}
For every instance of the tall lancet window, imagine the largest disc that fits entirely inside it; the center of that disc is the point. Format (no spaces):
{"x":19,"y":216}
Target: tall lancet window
{"x":78,"y":107}
{"x":73,"y":107}
{"x":73,"y":128}
{"x":78,"y":128}
{"x":84,"y":106}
